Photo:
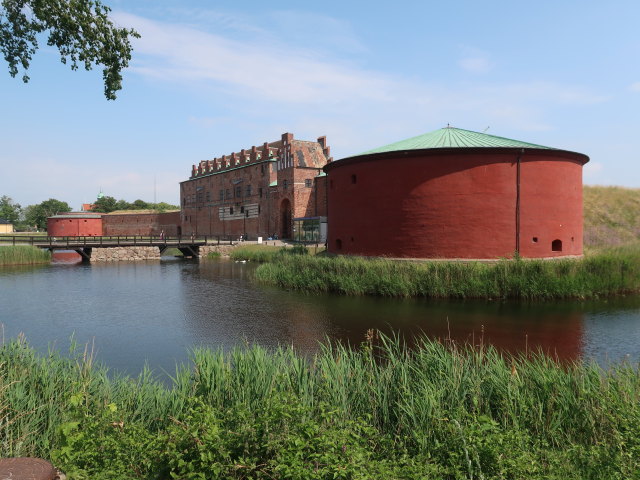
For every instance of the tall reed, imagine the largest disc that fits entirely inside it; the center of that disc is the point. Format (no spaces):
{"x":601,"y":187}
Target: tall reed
{"x":23,"y":255}
{"x":615,"y":271}
{"x":462,"y":411}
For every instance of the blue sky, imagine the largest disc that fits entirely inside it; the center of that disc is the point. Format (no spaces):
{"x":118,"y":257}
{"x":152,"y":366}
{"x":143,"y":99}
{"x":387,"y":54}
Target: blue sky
{"x":211,"y":78}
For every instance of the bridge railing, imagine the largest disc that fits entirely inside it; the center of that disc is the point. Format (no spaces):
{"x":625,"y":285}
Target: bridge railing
{"x":116,"y":240}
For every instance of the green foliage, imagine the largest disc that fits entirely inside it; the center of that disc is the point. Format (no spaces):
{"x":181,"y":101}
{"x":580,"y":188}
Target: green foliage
{"x":107,"y":204}
{"x":380,"y":411}
{"x":81,"y":31}
{"x":614,"y":271}
{"x":23,"y":255}
{"x":9,"y":210}
{"x":266,"y":253}
{"x":212,"y":255}
{"x":36,"y":215}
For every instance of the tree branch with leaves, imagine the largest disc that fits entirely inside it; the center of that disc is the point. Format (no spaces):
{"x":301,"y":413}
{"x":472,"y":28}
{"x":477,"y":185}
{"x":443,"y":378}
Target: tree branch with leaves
{"x":80,"y":29}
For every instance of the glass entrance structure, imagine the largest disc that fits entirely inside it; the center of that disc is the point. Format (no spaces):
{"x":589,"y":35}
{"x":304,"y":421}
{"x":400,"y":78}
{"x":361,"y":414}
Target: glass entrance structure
{"x":310,"y":229}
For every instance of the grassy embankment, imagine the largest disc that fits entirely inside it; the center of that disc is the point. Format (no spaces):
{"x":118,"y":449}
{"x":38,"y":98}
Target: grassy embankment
{"x":611,"y":216}
{"x":23,"y":255}
{"x":611,"y":265}
{"x":610,"y":272}
{"x":380,"y":411}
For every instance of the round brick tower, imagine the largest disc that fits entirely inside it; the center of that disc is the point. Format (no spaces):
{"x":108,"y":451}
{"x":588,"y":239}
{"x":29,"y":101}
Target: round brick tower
{"x":454,"y":193}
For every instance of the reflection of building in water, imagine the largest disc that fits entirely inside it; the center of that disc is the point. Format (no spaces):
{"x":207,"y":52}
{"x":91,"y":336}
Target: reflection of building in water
{"x":556,"y":329}
{"x":224,"y":308}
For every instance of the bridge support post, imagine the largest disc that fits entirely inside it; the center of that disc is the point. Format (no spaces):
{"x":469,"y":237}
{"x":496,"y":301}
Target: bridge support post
{"x":190,"y":250}
{"x":85,"y":253}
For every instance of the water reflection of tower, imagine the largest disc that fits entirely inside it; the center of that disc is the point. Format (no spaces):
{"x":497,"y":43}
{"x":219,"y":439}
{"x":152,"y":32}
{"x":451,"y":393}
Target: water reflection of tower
{"x":224,"y":308}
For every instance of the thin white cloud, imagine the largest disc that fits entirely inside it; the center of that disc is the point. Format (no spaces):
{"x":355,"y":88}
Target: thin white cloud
{"x":269,"y":80}
{"x":635,"y":87}
{"x":52,"y":175}
{"x":475,"y":64}
{"x":475,"y":61}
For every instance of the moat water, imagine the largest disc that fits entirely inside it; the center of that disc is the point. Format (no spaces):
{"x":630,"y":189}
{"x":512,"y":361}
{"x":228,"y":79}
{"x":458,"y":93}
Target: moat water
{"x":155,"y":312}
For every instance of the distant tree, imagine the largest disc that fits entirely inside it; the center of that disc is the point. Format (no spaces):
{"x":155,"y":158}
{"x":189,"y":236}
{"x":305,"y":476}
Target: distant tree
{"x":36,"y":215}
{"x":162,"y":206}
{"x":123,"y":205}
{"x":109,"y":204}
{"x":105,"y":204}
{"x":9,"y":210}
{"x":140,"y":205}
{"x":80,"y":29}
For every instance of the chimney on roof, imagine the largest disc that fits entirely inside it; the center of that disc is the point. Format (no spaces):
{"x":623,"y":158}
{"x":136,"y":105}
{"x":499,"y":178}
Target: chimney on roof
{"x":254,"y":153}
{"x":287,"y":138}
{"x":322,"y":141}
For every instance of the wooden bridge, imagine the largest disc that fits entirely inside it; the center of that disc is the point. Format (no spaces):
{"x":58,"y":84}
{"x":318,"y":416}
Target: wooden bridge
{"x":189,"y":246}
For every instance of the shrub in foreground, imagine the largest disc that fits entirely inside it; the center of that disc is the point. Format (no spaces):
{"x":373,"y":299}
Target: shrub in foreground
{"x":379,"y":411}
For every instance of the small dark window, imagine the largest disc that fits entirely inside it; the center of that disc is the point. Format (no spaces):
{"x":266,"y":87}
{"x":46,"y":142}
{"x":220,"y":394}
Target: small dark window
{"x":556,"y":245}
{"x":221,"y":194}
{"x":284,"y":184}
{"x":354,"y":179}
{"x":241,"y":209}
{"x":307,"y":183}
{"x":230,"y":210}
{"x":248,"y":191}
{"x":534,"y":239}
{"x":258,"y":208}
{"x":338,"y":244}
{"x":260,"y":192}
{"x":238,"y":191}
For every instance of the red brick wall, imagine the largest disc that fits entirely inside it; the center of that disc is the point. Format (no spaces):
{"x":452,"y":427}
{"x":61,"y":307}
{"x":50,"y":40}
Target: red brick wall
{"x":455,"y":204}
{"x":74,"y":227}
{"x":288,"y":162}
{"x":144,"y":224}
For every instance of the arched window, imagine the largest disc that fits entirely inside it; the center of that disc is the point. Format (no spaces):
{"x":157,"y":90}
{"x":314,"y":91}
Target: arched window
{"x":556,"y":245}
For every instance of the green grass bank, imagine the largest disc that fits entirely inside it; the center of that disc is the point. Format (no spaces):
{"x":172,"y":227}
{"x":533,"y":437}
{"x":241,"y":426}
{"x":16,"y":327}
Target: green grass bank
{"x":436,"y":411}
{"x":610,"y":271}
{"x":23,"y":255}
{"x":611,"y":216}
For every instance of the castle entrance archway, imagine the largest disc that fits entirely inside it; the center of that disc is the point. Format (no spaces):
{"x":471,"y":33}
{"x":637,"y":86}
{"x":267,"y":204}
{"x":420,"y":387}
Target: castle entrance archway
{"x":285,"y":216}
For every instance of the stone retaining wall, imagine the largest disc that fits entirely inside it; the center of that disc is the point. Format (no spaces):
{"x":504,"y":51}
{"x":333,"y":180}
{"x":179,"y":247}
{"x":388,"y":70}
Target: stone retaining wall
{"x":118,"y":254}
{"x":225,"y":250}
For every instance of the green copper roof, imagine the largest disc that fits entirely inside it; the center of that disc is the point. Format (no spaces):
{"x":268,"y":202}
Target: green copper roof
{"x":450,"y":137}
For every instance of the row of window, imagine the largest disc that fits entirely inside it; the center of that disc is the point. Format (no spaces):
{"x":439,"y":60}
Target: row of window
{"x":244,"y":210}
{"x":237,"y":192}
